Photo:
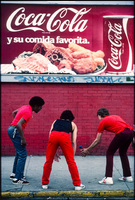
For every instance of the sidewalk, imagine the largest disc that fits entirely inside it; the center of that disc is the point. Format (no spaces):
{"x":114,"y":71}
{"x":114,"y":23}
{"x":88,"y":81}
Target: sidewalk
{"x":91,"y":170}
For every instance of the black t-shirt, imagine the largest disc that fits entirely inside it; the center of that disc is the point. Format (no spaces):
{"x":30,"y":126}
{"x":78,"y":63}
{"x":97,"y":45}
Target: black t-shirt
{"x":62,"y":126}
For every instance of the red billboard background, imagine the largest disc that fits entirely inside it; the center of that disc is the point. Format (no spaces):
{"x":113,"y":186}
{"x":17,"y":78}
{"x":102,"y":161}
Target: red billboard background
{"x":25,"y":25}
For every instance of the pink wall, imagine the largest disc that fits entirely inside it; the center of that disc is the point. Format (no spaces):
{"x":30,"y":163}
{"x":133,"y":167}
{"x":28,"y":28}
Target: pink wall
{"x":83,"y":99}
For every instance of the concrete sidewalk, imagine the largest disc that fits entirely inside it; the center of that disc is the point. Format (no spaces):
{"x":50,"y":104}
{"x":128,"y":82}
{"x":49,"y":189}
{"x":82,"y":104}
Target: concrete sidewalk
{"x":91,"y":170}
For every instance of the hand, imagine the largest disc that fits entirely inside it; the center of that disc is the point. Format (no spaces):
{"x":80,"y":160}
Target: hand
{"x":23,"y":142}
{"x":84,"y":152}
{"x":57,"y":157}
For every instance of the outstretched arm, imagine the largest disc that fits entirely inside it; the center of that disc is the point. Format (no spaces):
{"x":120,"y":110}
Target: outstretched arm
{"x":51,"y":127}
{"x":74,"y":136}
{"x":20,"y":130}
{"x":86,"y":151}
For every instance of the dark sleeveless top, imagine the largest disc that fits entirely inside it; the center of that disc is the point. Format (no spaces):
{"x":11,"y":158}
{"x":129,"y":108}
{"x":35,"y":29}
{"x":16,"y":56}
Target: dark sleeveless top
{"x":62,"y":126}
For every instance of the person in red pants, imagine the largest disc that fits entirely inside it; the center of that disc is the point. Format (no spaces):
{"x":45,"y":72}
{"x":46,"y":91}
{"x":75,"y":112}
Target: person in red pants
{"x":123,"y":137}
{"x":59,"y":136}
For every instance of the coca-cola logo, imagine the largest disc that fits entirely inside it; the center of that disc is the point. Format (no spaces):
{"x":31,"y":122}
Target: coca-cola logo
{"x":57,"y":21}
{"x":115,"y":37}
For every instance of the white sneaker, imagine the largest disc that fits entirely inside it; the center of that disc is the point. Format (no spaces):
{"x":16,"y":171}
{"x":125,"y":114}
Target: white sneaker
{"x":106,"y":180}
{"x":79,"y":187}
{"x":12,"y":175}
{"x":20,"y":181}
{"x":128,"y":179}
{"x":45,"y":187}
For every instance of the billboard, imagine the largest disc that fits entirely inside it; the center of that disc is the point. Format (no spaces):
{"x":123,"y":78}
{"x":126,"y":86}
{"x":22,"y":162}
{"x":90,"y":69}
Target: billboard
{"x":49,"y":42}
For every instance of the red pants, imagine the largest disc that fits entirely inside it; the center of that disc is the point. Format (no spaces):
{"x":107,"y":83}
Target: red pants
{"x":61,"y":139}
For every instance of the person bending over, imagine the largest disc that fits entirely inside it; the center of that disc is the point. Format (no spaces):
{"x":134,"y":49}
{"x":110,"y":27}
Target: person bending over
{"x":59,"y":136}
{"x":16,"y":133}
{"x":123,"y":137}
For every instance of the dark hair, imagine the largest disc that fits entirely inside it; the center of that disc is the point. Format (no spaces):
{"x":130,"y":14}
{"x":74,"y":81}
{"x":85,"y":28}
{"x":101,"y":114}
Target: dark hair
{"x":36,"y":100}
{"x":67,"y":114}
{"x":102,"y":112}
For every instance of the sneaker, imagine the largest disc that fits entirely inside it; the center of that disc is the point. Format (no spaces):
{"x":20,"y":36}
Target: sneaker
{"x":12,"y":176}
{"x":106,"y":180}
{"x":128,"y":179}
{"x":20,"y":181}
{"x":80,"y":187}
{"x":45,"y":187}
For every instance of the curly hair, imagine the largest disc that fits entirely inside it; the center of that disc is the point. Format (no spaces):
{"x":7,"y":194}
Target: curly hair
{"x":36,"y":100}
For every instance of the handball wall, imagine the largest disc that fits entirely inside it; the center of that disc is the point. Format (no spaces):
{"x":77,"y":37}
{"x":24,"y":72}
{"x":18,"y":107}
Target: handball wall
{"x":82,"y":99}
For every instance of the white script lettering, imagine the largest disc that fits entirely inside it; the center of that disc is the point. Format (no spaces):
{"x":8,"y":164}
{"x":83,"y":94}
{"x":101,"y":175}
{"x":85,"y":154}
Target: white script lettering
{"x":59,"y":20}
{"x":115,"y":37}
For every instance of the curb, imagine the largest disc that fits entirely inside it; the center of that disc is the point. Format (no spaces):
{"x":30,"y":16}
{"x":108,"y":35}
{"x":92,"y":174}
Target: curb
{"x":117,"y":193}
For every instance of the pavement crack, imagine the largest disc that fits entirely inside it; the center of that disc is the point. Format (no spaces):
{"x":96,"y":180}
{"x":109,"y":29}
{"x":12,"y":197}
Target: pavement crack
{"x":27,"y":164}
{"x":121,"y":176}
{"x":26,"y":167}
